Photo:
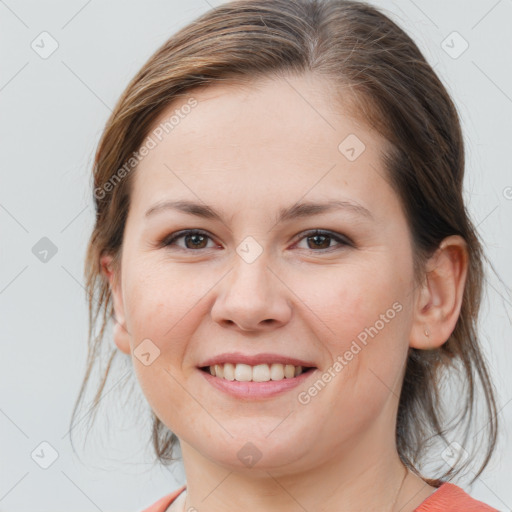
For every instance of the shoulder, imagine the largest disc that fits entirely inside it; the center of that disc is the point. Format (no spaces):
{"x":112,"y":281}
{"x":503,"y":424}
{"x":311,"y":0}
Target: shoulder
{"x":452,"y":498}
{"x":162,"y":504}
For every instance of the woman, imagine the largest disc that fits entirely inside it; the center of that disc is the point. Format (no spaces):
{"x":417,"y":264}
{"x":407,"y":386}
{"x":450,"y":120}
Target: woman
{"x":282,"y":242}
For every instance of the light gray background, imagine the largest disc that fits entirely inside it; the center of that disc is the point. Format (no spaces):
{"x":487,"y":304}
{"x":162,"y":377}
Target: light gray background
{"x":52,"y":113}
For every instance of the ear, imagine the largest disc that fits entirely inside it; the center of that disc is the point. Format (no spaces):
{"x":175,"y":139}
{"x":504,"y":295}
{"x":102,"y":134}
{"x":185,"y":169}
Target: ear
{"x":121,"y":334}
{"x":439,"y":298}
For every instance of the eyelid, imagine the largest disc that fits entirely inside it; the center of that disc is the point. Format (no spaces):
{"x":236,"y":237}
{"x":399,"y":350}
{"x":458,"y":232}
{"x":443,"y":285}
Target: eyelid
{"x":343,"y":240}
{"x":166,"y":241}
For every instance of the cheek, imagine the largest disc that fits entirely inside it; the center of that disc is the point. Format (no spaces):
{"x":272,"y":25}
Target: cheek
{"x":364,"y":320}
{"x":357,"y":302}
{"x":161,"y":301}
{"x":363,"y":325}
{"x":153,"y":313}
{"x":164,"y":304}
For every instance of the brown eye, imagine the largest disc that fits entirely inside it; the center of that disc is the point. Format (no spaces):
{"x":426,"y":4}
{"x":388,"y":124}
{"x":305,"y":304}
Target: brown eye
{"x":322,"y":240}
{"x":317,"y":240}
{"x":194,"y":239}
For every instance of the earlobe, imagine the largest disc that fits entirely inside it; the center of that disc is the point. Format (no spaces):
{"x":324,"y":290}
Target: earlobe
{"x":121,"y":338}
{"x":440,"y":296}
{"x":120,"y":333}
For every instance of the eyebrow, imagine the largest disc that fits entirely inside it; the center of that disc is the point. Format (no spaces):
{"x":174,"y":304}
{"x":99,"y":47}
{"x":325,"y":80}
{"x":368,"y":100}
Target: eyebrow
{"x":298,"y":210}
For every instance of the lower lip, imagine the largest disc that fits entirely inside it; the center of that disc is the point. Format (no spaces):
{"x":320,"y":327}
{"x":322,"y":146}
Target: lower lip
{"x":256,"y":390}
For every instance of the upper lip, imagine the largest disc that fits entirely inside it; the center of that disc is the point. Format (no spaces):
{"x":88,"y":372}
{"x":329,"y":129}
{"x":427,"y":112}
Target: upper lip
{"x":253,"y":360}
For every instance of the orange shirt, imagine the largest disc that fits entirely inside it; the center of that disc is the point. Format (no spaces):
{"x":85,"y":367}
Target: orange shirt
{"x":447,"y":498}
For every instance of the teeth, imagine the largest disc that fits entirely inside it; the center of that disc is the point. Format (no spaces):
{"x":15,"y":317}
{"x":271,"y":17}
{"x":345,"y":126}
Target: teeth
{"x":229,"y":371}
{"x":289,"y":371}
{"x":243,"y":372}
{"x":276,"y":371}
{"x":259,"y":373}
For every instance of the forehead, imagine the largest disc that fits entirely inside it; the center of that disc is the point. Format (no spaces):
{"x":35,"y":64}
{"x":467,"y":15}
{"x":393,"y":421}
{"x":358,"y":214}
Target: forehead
{"x":271,"y":136}
{"x":254,"y":109}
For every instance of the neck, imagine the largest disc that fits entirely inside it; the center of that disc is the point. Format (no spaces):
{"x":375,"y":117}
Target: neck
{"x":369,"y":481}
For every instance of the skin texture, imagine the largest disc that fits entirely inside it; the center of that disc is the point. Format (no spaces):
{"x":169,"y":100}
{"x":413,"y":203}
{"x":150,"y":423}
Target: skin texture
{"x":248,"y":151}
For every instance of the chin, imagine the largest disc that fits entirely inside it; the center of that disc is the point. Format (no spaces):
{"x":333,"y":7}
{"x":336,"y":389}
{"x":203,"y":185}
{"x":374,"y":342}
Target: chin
{"x":269,"y":451}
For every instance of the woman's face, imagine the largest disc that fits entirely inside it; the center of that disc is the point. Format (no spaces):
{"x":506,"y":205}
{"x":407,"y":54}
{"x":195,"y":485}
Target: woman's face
{"x":258,"y":287}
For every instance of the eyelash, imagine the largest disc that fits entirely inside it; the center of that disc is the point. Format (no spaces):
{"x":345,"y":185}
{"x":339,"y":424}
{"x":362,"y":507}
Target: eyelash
{"x":341,"y":239}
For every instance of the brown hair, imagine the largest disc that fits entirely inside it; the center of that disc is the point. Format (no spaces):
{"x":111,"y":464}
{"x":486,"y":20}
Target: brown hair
{"x":350,"y":44}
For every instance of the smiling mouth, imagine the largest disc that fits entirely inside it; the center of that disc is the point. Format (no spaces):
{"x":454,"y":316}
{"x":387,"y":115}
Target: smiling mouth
{"x":258,"y":373}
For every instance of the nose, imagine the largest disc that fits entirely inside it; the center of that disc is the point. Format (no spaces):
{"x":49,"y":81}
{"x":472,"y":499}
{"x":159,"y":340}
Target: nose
{"x":252,"y":298}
